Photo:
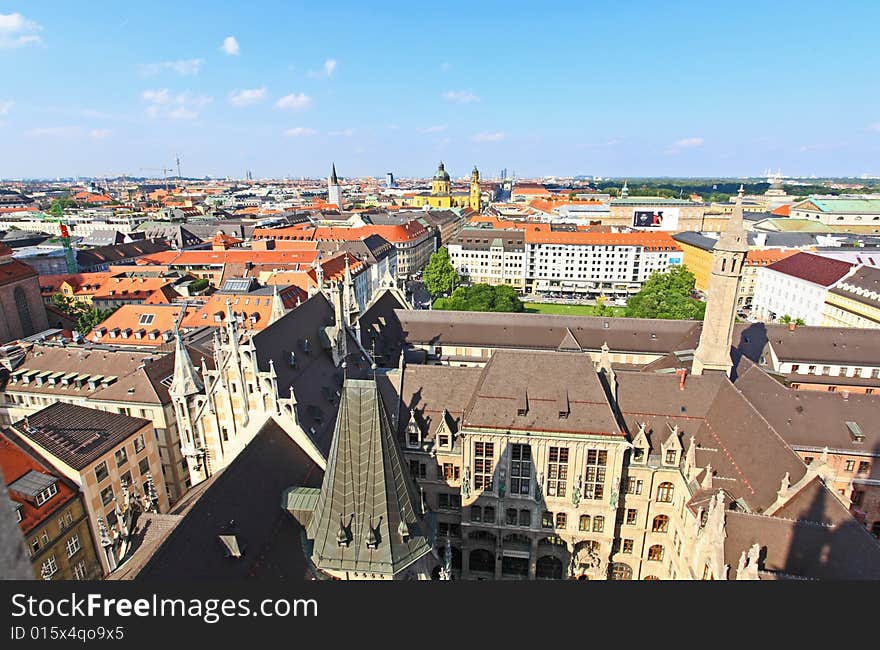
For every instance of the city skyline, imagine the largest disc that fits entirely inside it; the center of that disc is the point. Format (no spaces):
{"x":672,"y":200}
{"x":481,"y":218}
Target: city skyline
{"x":687,"y":92}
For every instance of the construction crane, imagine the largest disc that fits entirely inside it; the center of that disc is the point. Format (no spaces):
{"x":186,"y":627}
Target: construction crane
{"x":69,"y":257}
{"x":164,"y":171}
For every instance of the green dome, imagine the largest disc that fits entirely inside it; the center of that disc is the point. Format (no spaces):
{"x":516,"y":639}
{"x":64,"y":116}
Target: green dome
{"x":441,"y":174}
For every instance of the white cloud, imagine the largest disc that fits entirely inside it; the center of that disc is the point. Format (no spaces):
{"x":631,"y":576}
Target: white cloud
{"x":326,"y":71}
{"x":874,"y":127}
{"x":18,"y":31}
{"x":5,"y":106}
{"x":230,"y":46}
{"x":688,"y":142}
{"x":488,"y":136}
{"x":346,"y":133}
{"x":684,"y":143}
{"x":433,"y":129}
{"x":247,"y":97}
{"x":54,"y":132}
{"x":460,"y":96}
{"x":183,"y":106}
{"x":297,"y":131}
{"x":294,"y":101}
{"x":100,"y":134}
{"x":183,"y":67}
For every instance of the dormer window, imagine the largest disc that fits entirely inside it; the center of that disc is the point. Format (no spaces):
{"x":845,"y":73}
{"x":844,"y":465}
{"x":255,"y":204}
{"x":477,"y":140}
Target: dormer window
{"x":671,"y":456}
{"x":638,"y":454}
{"x":413,"y":432}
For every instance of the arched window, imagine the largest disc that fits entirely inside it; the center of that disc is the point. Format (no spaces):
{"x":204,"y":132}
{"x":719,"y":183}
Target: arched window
{"x":661,"y":524}
{"x":620,"y":571}
{"x":650,"y":578}
{"x":665,"y":492}
{"x":723,"y":264}
{"x":655,"y":553}
{"x":584,"y":522}
{"x":598,"y":523}
{"x":24,"y":311}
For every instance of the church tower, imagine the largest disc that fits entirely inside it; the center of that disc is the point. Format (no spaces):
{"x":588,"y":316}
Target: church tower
{"x":474,"y":199}
{"x":185,"y":385}
{"x":334,"y":192}
{"x":440,"y":185}
{"x":713,"y":352}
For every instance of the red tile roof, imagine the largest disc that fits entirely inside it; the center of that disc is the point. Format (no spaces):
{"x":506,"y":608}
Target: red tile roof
{"x":812,"y":268}
{"x":15,"y":462}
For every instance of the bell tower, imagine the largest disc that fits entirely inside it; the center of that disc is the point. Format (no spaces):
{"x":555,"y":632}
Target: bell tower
{"x":728,"y":256}
{"x":474,"y":198}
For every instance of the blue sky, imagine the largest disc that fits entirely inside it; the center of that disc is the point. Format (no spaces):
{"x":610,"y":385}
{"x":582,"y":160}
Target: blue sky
{"x":284,"y":88}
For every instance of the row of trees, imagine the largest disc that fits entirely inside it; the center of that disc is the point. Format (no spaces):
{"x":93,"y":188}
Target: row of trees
{"x":665,"y":295}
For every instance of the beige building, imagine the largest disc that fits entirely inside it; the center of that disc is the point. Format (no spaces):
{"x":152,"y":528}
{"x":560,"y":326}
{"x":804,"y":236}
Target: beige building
{"x":490,"y":257}
{"x":120,"y":381}
{"x":656,"y":213}
{"x":104,"y":454}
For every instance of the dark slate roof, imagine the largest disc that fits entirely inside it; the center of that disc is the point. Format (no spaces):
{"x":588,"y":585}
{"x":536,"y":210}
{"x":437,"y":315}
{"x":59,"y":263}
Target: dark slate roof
{"x":819,"y":270}
{"x":78,"y":435}
{"x":866,"y":278}
{"x":381,"y":333}
{"x":801,"y":549}
{"x":483,"y":240}
{"x":429,"y":390}
{"x":315,"y":378}
{"x":86,"y":259}
{"x":248,"y":491}
{"x":811,"y":419}
{"x":747,"y":455}
{"x":366,"y":493}
{"x":371,"y":249}
{"x":832,"y":345}
{"x":545,"y":383}
{"x":547,"y":331}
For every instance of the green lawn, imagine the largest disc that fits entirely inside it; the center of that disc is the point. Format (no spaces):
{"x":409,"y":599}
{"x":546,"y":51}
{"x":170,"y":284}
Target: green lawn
{"x":567,"y":310}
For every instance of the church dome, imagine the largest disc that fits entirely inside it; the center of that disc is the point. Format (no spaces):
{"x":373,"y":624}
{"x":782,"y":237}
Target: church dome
{"x":442,"y":174}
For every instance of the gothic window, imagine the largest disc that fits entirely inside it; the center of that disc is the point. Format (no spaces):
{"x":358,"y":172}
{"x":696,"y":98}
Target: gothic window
{"x":476,"y":513}
{"x":525,"y":518}
{"x":655,"y":553}
{"x":484,"y":453}
{"x":620,"y":571}
{"x":661,"y":524}
{"x":24,"y":311}
{"x":520,"y":468}
{"x":594,"y":485}
{"x":665,"y":492}
{"x":511,"y":516}
{"x":547,"y":520}
{"x":561,"y":520}
{"x":598,"y":524}
{"x":489,"y":514}
{"x":584,"y":523}
{"x":557,"y":471}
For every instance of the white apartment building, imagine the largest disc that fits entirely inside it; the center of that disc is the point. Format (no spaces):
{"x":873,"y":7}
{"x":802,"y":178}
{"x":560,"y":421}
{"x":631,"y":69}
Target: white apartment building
{"x":796,"y":286}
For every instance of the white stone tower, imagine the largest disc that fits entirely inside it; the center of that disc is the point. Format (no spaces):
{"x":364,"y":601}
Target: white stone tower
{"x":713,"y":352}
{"x":334,"y":192}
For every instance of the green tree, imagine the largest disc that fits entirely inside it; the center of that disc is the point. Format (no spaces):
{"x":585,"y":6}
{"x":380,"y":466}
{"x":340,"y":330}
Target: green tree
{"x":481,"y":297}
{"x":91,"y":318}
{"x":602,"y":308}
{"x":56,"y":208}
{"x":667,"y":295}
{"x":86,"y":317}
{"x":440,"y":276}
{"x":786,"y":319}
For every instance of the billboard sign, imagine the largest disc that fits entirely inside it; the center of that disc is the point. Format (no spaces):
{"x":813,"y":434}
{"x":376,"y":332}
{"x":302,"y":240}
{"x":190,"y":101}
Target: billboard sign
{"x":655,"y":219}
